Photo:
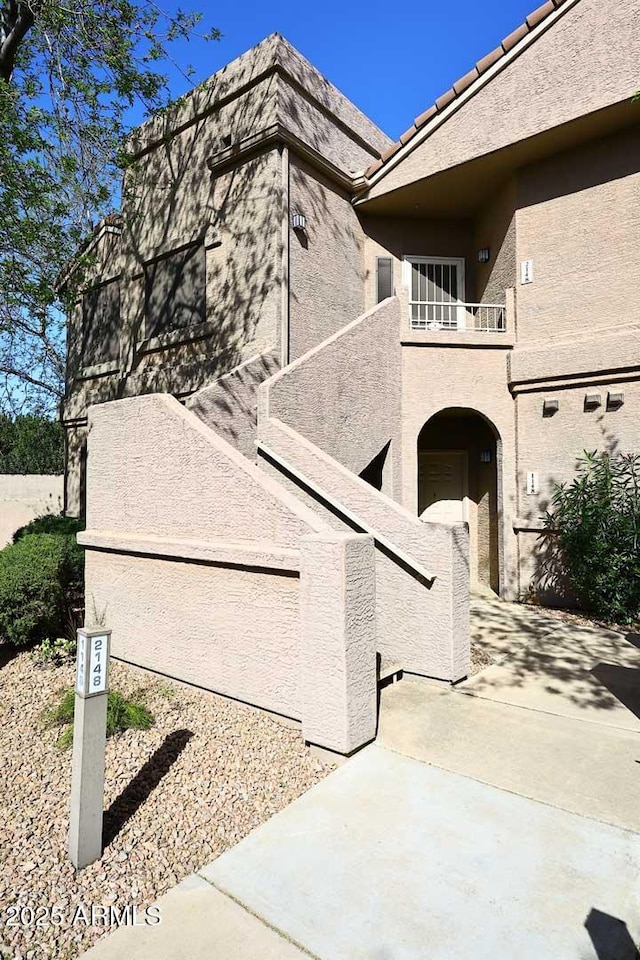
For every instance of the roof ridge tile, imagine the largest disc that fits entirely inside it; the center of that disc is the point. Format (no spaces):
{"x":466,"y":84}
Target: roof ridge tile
{"x":535,"y":17}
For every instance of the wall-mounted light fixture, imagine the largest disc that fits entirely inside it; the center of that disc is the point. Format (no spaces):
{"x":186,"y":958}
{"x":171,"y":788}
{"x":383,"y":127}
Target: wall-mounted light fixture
{"x":592,"y":401}
{"x":550,"y":406}
{"x":484,"y":255}
{"x":299,"y":222}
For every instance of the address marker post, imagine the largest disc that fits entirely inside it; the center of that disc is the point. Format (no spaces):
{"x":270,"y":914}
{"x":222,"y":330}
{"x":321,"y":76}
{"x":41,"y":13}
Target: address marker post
{"x":89,"y":738}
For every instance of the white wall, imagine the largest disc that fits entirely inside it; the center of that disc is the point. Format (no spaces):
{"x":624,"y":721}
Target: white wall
{"x":23,"y":497}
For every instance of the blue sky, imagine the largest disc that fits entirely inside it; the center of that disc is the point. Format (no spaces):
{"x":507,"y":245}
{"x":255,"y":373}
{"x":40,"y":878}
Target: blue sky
{"x":392,"y":60}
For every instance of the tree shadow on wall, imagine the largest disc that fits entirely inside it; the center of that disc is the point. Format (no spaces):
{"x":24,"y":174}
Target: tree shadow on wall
{"x":167,"y":210}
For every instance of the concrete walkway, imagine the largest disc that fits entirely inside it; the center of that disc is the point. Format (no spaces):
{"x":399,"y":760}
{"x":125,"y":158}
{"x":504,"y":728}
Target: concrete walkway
{"x":555,"y":718}
{"x":545,"y":664}
{"x":393,"y":859}
{"x":476,"y":827}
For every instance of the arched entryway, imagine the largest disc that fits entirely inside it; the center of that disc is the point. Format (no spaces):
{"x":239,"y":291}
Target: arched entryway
{"x":458,"y":480}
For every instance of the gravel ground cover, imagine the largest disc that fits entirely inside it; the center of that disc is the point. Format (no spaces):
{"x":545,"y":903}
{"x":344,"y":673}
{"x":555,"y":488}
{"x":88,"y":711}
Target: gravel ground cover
{"x":176,"y":796}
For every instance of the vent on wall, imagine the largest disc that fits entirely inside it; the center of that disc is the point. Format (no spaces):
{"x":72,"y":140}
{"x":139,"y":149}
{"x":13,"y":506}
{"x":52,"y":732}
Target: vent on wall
{"x":614,"y":400}
{"x":384,"y":278}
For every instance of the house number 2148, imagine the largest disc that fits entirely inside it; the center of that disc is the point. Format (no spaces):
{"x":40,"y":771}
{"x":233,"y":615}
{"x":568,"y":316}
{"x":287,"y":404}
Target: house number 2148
{"x":97,"y":665}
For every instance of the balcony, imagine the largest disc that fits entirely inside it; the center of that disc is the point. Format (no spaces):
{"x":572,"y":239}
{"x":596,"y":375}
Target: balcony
{"x":453,"y":315}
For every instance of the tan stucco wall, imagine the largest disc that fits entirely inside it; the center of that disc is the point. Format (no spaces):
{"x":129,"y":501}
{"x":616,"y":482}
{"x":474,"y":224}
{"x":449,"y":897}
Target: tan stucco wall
{"x":326,"y":415}
{"x":331,"y":397}
{"x":495,"y":228}
{"x":582,"y":63}
{"x":167,"y":499}
{"x":295,"y":72}
{"x":195,"y":559}
{"x":325,"y":262}
{"x":437,"y":378}
{"x":227,"y":629}
{"x":239,"y":211}
{"x":23,"y":497}
{"x":578,"y":219}
{"x":551,"y":445}
{"x":230,"y":404}
{"x":338,"y":676}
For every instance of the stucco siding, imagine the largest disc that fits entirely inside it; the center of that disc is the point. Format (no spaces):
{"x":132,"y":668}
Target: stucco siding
{"x":230,"y":404}
{"x":154,"y":468}
{"x":578,"y":219}
{"x":325,"y":261}
{"x":194,"y":558}
{"x":584,"y":62}
{"x":344,"y":395}
{"x":326,"y":415}
{"x":550,"y":446}
{"x":205,"y":624}
{"x":401,"y":237}
{"x":420,"y":624}
{"x":23,"y":497}
{"x":438,"y":378}
{"x":495,"y":230}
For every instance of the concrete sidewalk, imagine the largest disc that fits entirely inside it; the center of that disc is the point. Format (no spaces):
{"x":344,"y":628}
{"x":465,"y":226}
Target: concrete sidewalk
{"x":390,"y":858}
{"x":493,"y":821}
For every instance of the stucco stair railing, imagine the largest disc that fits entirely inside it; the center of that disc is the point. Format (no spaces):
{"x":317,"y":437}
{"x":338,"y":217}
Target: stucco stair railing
{"x":210,"y":571}
{"x":321,"y":420}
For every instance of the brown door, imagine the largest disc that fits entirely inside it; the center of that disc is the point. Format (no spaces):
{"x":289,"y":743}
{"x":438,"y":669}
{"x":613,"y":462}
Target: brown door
{"x":442,"y":485}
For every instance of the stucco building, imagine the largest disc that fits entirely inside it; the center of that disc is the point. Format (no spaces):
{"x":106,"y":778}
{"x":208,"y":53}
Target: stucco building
{"x":327,"y":382}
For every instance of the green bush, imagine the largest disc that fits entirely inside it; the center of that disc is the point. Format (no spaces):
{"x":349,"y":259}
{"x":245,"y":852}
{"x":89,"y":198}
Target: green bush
{"x":54,"y":651}
{"x":50,"y":523}
{"x":122,"y":714}
{"x":596,"y":519}
{"x":41,"y":583}
{"x":31,"y":444}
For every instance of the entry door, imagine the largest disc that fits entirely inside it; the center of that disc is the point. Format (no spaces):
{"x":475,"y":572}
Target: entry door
{"x":442,"y":485}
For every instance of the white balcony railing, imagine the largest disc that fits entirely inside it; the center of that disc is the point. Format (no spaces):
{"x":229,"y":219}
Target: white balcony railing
{"x":482,"y":317}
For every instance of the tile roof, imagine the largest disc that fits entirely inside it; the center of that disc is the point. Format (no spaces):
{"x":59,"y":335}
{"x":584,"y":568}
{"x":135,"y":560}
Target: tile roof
{"x":538,"y":15}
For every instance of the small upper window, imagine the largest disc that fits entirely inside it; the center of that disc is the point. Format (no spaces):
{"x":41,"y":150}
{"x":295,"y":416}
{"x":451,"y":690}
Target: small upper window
{"x":175,"y":291}
{"x":384,"y":278}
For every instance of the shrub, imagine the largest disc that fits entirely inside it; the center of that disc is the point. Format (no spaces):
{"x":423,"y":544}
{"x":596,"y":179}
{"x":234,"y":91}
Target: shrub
{"x":41,"y":580}
{"x":596,"y":519}
{"x":50,"y":523}
{"x":122,"y":714}
{"x":31,"y":444}
{"x":56,"y":651}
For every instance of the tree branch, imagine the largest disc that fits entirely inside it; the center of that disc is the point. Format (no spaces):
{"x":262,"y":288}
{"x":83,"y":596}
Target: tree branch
{"x":21,"y":375}
{"x":17,"y":19}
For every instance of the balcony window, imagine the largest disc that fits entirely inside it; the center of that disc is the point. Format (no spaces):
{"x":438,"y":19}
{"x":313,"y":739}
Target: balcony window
{"x":436,"y":291}
{"x":436,"y":298}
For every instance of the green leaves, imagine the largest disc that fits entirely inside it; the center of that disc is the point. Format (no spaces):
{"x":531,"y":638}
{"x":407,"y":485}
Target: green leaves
{"x":597,"y":521}
{"x":31,"y":444}
{"x":69,"y":78}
